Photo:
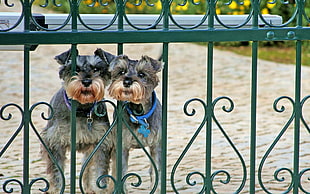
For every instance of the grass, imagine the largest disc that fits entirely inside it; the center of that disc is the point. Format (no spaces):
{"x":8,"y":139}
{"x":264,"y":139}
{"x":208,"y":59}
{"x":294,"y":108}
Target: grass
{"x":279,"y":54}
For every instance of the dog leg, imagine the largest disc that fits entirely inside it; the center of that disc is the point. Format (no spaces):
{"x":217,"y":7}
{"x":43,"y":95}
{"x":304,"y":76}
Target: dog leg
{"x":125,"y":155}
{"x":87,"y":175}
{"x":102,"y":159}
{"x":55,"y":179}
{"x":156,"y":156}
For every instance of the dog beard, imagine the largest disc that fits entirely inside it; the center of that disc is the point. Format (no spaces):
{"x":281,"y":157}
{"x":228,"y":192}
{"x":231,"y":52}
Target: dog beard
{"x":77,"y":91}
{"x":135,"y":93}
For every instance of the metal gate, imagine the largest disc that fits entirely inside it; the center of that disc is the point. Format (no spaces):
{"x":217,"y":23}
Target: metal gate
{"x":25,"y":30}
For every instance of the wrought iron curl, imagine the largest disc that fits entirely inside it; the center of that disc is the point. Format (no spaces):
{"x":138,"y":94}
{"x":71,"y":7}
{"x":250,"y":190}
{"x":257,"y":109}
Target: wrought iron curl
{"x":188,"y":180}
{"x":224,"y":108}
{"x":221,"y":172}
{"x":40,"y":179}
{"x":6,"y":2}
{"x":137,"y":184}
{"x":203,"y":19}
{"x":282,"y":108}
{"x":106,"y":26}
{"x":284,"y":2}
{"x":11,"y":190}
{"x":8,"y":117}
{"x":50,"y":116}
{"x":280,"y":170}
{"x":228,"y":110}
{"x":18,"y":21}
{"x":86,"y":162}
{"x":222,"y":181}
{"x":193,"y":112}
{"x":50,"y":109}
{"x":150,"y":26}
{"x":37,"y":25}
{"x":139,"y":3}
{"x":303,"y":101}
{"x":104,"y":177}
{"x":145,"y":151}
{"x":237,"y":1}
{"x":281,"y":179}
{"x":192,"y":1}
{"x":46,"y":3}
{"x":93,"y":3}
{"x":300,"y":176}
{"x":264,"y":158}
{"x":246,"y":21}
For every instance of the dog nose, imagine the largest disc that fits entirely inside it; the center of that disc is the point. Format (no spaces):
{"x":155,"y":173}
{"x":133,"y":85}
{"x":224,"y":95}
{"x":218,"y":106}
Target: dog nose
{"x":86,"y":82}
{"x":127,"y":82}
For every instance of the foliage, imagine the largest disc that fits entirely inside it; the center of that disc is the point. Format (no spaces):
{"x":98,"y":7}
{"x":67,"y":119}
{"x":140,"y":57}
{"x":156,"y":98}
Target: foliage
{"x":285,"y":8}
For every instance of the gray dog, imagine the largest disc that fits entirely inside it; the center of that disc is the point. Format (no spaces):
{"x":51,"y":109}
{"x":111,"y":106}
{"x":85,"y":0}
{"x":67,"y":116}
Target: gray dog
{"x":87,"y":88}
{"x":134,"y":81}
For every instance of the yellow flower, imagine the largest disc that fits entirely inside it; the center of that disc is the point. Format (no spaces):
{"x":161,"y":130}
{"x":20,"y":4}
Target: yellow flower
{"x":233,"y":5}
{"x":130,"y":6}
{"x":247,"y":3}
{"x":97,"y":4}
{"x":218,"y":11}
{"x":270,"y":5}
{"x":265,"y":11}
{"x":158,"y":5}
{"x":182,"y":8}
{"x":88,"y":2}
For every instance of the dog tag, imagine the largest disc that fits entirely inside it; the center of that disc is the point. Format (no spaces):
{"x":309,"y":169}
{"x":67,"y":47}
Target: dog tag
{"x":144,"y":131}
{"x":89,"y":124}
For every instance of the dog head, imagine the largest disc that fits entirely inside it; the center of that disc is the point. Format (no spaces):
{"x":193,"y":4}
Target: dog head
{"x":88,"y":82}
{"x":133,"y":80}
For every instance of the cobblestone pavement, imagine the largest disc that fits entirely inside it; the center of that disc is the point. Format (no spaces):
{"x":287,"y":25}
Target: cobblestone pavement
{"x":187,"y":80}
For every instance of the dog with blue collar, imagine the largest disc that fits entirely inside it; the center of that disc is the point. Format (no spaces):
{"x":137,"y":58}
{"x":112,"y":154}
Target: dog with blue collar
{"x":133,"y":82}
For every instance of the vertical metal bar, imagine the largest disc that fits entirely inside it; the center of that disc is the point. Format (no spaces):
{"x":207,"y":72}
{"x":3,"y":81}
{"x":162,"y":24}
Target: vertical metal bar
{"x":164,"y":119}
{"x":296,"y":178}
{"x":119,"y":135}
{"x":74,"y":12}
{"x":209,"y":116}
{"x":253,"y":124}
{"x":165,"y":54}
{"x":209,"y":99}
{"x":253,"y":116}
{"x":26,"y":186}
{"x":297,"y":107}
{"x":119,"y":149}
{"x":73,"y":127}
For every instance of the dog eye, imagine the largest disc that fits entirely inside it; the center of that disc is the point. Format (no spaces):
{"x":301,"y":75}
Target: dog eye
{"x":96,"y":69}
{"x":121,"y":73}
{"x":141,"y":75}
{"x":77,"y":69}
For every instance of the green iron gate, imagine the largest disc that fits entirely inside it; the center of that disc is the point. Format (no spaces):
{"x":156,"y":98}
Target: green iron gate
{"x":168,"y":28}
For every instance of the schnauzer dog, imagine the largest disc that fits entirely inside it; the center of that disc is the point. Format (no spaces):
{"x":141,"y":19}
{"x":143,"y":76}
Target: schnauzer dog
{"x":133,"y":81}
{"x":87,"y":88}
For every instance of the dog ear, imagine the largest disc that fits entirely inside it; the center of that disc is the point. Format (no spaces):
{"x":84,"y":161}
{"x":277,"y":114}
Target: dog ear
{"x":157,"y":65}
{"x":120,"y":59}
{"x":64,"y":57}
{"x":105,"y":56}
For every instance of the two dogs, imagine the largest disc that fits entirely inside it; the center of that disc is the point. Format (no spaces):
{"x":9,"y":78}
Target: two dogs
{"x":131,"y":81}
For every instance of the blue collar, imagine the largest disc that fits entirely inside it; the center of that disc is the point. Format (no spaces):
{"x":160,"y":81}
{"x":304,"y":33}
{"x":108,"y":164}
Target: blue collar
{"x":82,"y":113}
{"x":142,"y":120}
